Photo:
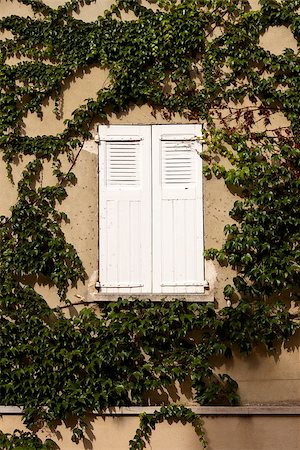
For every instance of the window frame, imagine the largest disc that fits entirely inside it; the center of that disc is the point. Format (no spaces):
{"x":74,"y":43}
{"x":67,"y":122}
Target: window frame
{"x":207,"y":294}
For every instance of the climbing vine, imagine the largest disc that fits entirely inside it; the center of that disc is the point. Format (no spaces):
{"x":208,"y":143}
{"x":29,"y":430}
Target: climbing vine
{"x":23,"y":440}
{"x":203,"y":60}
{"x":171,"y":413}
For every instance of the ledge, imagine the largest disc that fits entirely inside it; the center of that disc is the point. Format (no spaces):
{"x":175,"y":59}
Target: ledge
{"x":206,"y":297}
{"x":251,"y":410}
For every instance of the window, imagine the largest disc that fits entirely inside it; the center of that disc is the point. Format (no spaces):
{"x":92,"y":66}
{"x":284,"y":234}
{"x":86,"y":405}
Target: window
{"x":151,"y":209}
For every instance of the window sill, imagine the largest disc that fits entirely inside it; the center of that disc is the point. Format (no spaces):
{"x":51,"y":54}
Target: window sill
{"x":206,"y":297}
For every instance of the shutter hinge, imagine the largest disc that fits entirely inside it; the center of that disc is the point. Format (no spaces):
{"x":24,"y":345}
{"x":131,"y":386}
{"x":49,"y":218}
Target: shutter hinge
{"x":100,"y":285}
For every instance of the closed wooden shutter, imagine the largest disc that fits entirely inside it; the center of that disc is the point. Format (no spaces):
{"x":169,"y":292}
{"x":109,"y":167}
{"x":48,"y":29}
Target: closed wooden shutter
{"x":178,"y":264}
{"x":151,"y":209}
{"x":125,"y":209}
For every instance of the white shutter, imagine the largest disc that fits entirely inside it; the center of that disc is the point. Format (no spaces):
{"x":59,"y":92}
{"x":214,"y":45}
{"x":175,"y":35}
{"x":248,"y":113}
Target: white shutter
{"x":125,"y":209}
{"x":178,"y":263}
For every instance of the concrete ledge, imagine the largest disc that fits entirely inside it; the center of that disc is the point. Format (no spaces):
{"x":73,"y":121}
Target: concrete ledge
{"x":251,"y":410}
{"x":98,"y":297}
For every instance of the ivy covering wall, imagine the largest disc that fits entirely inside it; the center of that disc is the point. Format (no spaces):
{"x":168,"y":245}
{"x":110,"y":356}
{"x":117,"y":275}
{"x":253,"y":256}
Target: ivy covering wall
{"x":203,"y":60}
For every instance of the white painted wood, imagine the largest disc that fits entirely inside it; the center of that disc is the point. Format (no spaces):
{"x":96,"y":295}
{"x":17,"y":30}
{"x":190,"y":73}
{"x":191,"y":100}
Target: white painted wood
{"x":178,"y":263}
{"x":125,"y":209}
{"x":151,"y":211}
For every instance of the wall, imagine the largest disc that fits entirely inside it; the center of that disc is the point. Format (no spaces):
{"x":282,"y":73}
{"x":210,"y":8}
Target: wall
{"x":261,"y":379}
{"x":223,"y":433}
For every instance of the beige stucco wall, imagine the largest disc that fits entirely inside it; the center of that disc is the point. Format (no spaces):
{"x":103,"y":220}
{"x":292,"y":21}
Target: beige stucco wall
{"x":222,"y":433}
{"x":261,"y":379}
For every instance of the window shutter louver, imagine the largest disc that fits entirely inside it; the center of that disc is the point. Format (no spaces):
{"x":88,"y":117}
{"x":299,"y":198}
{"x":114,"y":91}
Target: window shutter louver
{"x":177,"y":162}
{"x":125,"y":209}
{"x":123,"y":165}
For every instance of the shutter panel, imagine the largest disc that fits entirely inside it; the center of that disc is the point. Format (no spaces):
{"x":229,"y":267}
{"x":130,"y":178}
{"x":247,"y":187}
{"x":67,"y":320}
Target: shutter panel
{"x":125,"y":209}
{"x":178,"y":263}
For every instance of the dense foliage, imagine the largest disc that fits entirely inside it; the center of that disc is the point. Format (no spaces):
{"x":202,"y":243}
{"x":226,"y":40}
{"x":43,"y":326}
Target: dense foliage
{"x":199,"y":58}
{"x":23,"y":440}
{"x":264,"y":243}
{"x":54,"y":366}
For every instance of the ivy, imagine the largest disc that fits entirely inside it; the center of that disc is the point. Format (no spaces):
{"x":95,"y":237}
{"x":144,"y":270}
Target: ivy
{"x":20,"y":440}
{"x":264,"y":244}
{"x":173,"y":413}
{"x":203,"y":60}
{"x":91,"y":362}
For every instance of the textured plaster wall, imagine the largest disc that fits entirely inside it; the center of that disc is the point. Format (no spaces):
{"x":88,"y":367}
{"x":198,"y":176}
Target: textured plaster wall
{"x":223,"y":433}
{"x":261,"y":379}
